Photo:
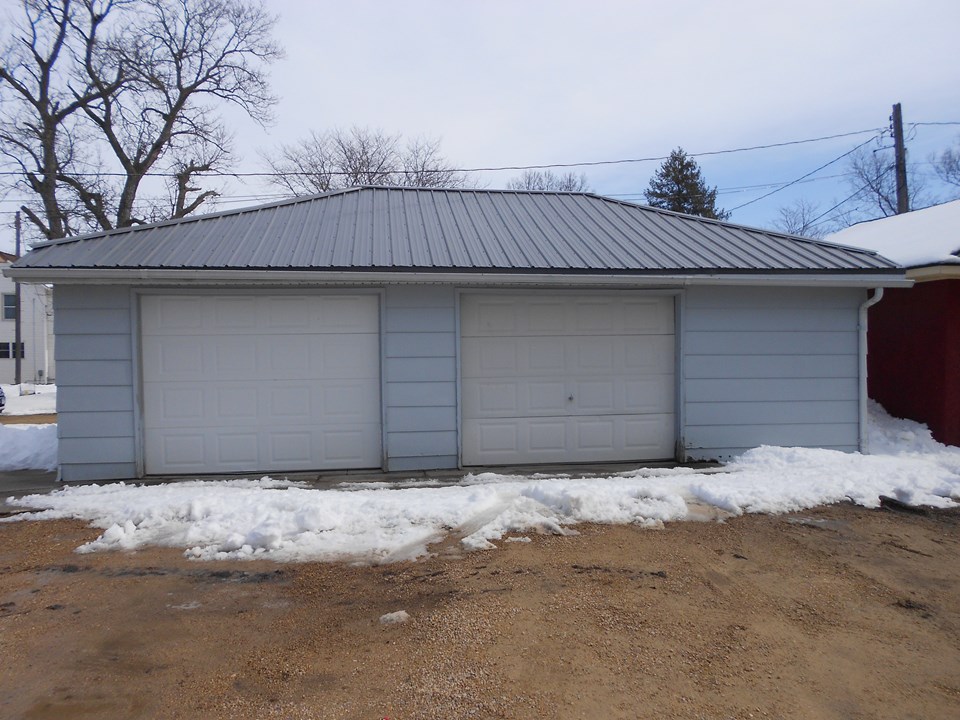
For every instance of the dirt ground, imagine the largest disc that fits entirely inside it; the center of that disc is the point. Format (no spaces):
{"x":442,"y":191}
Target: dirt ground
{"x":840,"y":612}
{"x":28,"y":419}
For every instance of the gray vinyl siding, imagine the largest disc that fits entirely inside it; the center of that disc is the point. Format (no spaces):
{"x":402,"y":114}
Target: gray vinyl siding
{"x":775,"y":366}
{"x":94,"y":383}
{"x":759,"y":366}
{"x":420,"y":378}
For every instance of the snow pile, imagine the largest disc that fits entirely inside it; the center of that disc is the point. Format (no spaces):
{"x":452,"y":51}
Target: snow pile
{"x":238,"y":519}
{"x":36,"y":400}
{"x":285,"y":521}
{"x":28,"y":447}
{"x":895,"y":436}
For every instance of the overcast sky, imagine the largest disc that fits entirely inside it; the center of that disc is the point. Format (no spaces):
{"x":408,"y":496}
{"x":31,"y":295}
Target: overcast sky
{"x":519,"y":82}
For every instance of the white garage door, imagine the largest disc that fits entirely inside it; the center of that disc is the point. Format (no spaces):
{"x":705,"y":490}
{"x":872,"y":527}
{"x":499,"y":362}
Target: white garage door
{"x":566,"y":378}
{"x":260,"y":383}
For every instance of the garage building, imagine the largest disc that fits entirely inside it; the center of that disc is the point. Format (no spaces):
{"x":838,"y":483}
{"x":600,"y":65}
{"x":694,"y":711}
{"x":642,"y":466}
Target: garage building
{"x":414,"y":329}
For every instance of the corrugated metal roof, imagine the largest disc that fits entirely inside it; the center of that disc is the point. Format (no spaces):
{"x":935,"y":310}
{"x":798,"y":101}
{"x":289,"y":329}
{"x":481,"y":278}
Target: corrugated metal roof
{"x":409,"y":229}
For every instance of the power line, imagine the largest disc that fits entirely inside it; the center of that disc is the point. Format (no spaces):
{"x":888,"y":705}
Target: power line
{"x":803,"y":177}
{"x":637,"y":194}
{"x":545,"y":166}
{"x":845,"y":200}
{"x":742,"y":188}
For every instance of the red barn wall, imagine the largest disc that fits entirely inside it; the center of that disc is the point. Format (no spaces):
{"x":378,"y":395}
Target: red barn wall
{"x":913,"y":360}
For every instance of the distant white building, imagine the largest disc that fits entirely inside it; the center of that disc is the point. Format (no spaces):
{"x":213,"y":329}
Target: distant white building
{"x":36,"y":331}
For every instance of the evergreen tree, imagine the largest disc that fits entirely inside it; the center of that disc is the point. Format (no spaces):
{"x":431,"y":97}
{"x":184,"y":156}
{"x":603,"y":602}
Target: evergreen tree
{"x":679,"y":186}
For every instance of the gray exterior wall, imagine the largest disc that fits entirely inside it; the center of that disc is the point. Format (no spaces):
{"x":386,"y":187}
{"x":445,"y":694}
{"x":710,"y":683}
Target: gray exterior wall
{"x":95,"y":391}
{"x":758,"y":366}
{"x":420,"y":374}
{"x":774,"y":366}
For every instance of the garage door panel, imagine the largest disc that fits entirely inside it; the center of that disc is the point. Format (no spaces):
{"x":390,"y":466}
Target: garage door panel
{"x":173,"y":315}
{"x":357,"y":314}
{"x":529,"y":316}
{"x":509,"y":357}
{"x":648,"y":395}
{"x":596,"y":354}
{"x":648,"y":316}
{"x":548,"y":397}
{"x":236,"y":448}
{"x":349,"y":445}
{"x":566,"y":378}
{"x":595,"y":396}
{"x":289,"y":446}
{"x":229,"y":357}
{"x":237,"y":402}
{"x":176,"y":359}
{"x":177,"y":450}
{"x":260,"y":383}
{"x":649,"y":354}
{"x":339,"y":359}
{"x":530,"y":397}
{"x":547,"y":436}
{"x":542,"y":318}
{"x":491,"y":398}
{"x":507,"y":441}
{"x":286,"y":356}
{"x":349,"y":401}
{"x":172,"y":405}
{"x":290,"y":401}
{"x":650,"y":435}
{"x":594,"y":434}
{"x":229,"y":314}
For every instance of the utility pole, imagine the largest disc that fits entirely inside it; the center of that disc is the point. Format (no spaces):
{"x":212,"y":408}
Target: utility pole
{"x":900,"y":154}
{"x":17,"y":333}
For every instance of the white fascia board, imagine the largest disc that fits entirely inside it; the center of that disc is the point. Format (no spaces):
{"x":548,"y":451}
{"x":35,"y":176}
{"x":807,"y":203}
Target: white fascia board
{"x":353,"y":279}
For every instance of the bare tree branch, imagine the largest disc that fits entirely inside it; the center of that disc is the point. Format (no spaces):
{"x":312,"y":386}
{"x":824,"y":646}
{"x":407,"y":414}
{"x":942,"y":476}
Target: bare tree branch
{"x":873,"y":181}
{"x":359,"y":156}
{"x":800,"y":218}
{"x":547,"y":181}
{"x":947,"y":166}
{"x":137,"y":79}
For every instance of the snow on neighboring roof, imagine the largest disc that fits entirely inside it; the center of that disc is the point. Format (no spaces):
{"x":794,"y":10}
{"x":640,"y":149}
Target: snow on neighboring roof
{"x":923,"y":237}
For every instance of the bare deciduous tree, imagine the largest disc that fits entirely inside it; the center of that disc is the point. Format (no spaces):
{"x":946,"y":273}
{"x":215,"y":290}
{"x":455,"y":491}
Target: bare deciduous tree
{"x":800,"y":218}
{"x":547,"y":181}
{"x":872,"y":176}
{"x":97,"y":94}
{"x":42,"y":93}
{"x":345,"y":158}
{"x":947,"y":166}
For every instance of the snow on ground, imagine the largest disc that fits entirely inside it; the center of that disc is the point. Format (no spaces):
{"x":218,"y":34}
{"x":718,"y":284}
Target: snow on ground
{"x":380,"y":523}
{"x":28,"y":447}
{"x":39,"y":400}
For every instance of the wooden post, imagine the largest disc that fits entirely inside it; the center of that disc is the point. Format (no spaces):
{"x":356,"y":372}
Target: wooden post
{"x":900,"y":155}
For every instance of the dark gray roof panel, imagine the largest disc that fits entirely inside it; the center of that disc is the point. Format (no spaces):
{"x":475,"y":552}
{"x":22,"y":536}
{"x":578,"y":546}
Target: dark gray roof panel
{"x":377,"y":228}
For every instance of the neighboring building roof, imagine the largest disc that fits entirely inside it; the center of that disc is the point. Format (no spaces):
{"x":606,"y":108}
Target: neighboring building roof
{"x":7,"y":257}
{"x":424,"y":230}
{"x":915,"y":239}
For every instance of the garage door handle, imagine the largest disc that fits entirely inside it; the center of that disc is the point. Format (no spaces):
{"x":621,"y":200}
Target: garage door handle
{"x":570,"y":398}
